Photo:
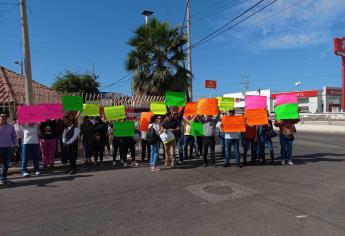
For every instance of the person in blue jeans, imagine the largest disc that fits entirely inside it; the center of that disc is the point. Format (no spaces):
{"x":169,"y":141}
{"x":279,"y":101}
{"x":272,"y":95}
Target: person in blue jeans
{"x":250,"y":140}
{"x":154,"y":131}
{"x":8,"y":140}
{"x":264,"y":137}
{"x":286,"y":134}
{"x":232,"y":139}
{"x":30,"y":148}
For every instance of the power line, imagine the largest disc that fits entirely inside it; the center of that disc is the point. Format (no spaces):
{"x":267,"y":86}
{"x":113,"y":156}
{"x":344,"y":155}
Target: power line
{"x":117,"y":81}
{"x":210,"y":7}
{"x":228,"y":23}
{"x":15,"y":5}
{"x":200,"y":42}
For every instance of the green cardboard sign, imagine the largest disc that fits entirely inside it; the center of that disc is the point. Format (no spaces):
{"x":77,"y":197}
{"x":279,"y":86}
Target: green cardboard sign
{"x":197,"y":129}
{"x":115,"y":112}
{"x":226,"y":104}
{"x":72,"y":103}
{"x":123,"y":129}
{"x":175,"y":99}
{"x":286,"y":111}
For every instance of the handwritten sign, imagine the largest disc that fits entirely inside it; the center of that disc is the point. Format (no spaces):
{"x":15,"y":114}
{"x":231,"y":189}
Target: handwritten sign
{"x":123,"y":129}
{"x":207,"y":106}
{"x":286,"y":98}
{"x":190,"y":109}
{"x":255,"y":102}
{"x":39,"y":113}
{"x":145,"y":119}
{"x":225,"y":103}
{"x":256,"y":117}
{"x":158,"y":108}
{"x":72,"y":103}
{"x":90,"y":109}
{"x":115,"y":112}
{"x":233,"y":123}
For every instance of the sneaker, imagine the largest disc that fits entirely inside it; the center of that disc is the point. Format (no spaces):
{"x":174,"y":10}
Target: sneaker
{"x":125,"y":165}
{"x":25,"y":174}
{"x":72,"y":172}
{"x":290,"y":163}
{"x":226,"y":165}
{"x":114,"y":163}
{"x":283,"y":163}
{"x":135,"y":164}
{"x":37,"y":173}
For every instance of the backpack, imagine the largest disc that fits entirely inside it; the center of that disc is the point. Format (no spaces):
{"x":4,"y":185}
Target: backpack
{"x":152,"y":136}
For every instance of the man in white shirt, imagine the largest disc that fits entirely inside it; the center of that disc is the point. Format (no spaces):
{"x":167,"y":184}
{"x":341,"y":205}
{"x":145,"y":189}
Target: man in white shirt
{"x":70,"y":141}
{"x":30,"y":148}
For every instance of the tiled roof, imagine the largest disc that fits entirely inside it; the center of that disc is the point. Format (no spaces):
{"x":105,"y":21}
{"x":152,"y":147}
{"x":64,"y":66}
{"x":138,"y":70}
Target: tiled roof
{"x":12,"y":88}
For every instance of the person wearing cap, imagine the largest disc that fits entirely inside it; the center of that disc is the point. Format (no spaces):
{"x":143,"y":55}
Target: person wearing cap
{"x":8,"y":140}
{"x":70,"y":141}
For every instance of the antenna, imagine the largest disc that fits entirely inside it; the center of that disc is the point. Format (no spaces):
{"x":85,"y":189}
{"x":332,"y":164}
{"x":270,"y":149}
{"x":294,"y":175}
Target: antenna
{"x":245,"y":82}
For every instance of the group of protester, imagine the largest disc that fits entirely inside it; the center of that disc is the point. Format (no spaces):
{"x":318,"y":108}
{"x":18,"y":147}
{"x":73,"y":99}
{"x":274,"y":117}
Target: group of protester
{"x":170,"y":132}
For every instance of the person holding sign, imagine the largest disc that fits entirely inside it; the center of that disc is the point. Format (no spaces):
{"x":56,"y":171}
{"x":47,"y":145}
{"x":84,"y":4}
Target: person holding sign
{"x":100,"y":136}
{"x":286,"y":134}
{"x":232,"y":139}
{"x":209,"y":141}
{"x":48,"y":140}
{"x":188,"y":139}
{"x":168,"y":138}
{"x":87,"y":135}
{"x":30,"y":148}
{"x":250,"y":140}
{"x":264,"y":136}
{"x":153,"y":139}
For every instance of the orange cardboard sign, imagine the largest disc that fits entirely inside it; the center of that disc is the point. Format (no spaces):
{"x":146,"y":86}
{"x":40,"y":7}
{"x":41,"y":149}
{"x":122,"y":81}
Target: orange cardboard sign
{"x":234,"y":123}
{"x":256,"y":117}
{"x":190,"y":109}
{"x":145,"y":120}
{"x":207,"y":106}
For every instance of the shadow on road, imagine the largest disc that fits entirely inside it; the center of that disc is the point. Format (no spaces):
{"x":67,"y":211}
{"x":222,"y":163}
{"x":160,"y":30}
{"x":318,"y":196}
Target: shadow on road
{"x":40,"y":182}
{"x":318,"y":157}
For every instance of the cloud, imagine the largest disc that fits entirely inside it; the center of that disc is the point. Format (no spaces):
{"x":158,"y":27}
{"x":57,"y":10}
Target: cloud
{"x":287,"y":24}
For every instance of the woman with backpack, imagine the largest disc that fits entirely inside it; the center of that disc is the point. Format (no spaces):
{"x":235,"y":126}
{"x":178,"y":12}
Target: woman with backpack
{"x":152,"y":138}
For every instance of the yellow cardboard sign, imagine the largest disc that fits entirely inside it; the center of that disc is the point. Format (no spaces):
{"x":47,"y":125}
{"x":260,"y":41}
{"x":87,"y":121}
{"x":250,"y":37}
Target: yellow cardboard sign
{"x":91,"y":109}
{"x":115,"y":112}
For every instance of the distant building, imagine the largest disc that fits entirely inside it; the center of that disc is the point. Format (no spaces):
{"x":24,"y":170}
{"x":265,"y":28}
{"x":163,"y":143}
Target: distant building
{"x":327,"y":99}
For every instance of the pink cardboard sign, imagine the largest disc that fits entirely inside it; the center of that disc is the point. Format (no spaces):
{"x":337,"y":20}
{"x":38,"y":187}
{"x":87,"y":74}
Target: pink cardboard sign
{"x":286,"y":98}
{"x":39,"y":113}
{"x":255,"y":102}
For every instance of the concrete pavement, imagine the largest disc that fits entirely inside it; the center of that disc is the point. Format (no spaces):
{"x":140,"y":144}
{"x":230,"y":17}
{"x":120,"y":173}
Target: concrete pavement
{"x":305,"y":199}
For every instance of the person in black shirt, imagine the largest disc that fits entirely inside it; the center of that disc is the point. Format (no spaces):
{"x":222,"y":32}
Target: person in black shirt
{"x":100,"y":135}
{"x":48,"y":140}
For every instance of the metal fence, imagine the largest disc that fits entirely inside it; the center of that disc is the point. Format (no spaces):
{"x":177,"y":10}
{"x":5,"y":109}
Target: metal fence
{"x":10,"y":103}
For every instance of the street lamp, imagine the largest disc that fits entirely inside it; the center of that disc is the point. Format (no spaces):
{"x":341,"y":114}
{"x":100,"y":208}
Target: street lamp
{"x":20,"y":63}
{"x":147,"y":14}
{"x":298,"y":83}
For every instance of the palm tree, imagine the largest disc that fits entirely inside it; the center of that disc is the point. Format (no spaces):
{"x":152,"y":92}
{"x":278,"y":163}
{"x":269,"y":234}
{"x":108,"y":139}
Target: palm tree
{"x":157,"y":59}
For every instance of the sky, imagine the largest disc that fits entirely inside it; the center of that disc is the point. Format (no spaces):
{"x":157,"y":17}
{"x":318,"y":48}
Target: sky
{"x":289,"y":41}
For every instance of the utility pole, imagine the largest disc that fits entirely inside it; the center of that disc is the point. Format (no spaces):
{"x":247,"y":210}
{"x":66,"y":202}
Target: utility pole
{"x":189,"y":56}
{"x":27,"y":59}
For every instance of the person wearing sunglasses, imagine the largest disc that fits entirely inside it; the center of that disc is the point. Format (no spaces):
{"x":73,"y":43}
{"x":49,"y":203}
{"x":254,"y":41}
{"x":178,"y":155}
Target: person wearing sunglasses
{"x":8,"y":140}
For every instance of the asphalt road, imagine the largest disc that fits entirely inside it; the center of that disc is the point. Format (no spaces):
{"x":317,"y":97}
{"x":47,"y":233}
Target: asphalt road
{"x":304,"y":199}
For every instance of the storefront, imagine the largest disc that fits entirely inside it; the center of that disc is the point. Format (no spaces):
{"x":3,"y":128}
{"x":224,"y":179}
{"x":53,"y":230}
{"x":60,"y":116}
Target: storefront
{"x":308,"y":100}
{"x":331,"y":99}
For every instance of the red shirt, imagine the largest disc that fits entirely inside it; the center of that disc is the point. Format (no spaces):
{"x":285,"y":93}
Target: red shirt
{"x":250,"y":132}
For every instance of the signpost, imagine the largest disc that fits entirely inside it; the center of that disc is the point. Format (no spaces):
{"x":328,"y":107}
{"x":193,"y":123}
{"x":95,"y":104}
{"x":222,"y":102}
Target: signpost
{"x":339,"y":50}
{"x":211,"y":84}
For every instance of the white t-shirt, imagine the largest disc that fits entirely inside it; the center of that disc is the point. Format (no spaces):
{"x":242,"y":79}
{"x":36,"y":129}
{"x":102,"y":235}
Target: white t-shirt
{"x":30,"y":134}
{"x":232,"y":135}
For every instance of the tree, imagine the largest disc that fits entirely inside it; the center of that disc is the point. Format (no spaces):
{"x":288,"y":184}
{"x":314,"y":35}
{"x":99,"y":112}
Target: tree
{"x":71,"y":82}
{"x":157,"y":59}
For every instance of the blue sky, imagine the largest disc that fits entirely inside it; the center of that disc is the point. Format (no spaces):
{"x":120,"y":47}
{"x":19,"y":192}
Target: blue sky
{"x":276,"y":47}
